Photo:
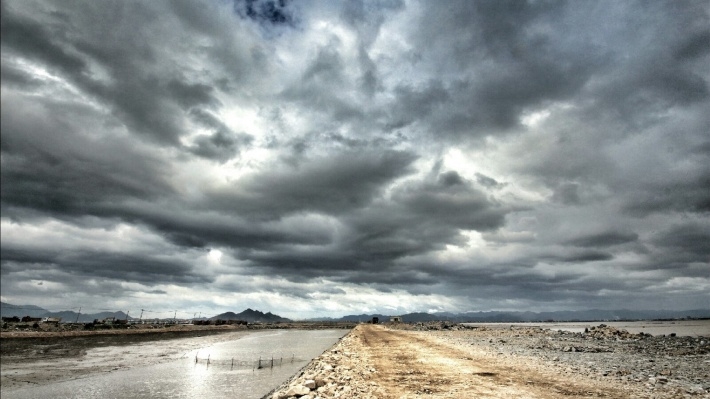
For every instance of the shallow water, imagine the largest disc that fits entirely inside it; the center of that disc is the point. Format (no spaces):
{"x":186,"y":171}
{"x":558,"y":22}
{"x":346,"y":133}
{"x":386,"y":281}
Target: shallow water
{"x":232,"y":370}
{"x":692,"y":328}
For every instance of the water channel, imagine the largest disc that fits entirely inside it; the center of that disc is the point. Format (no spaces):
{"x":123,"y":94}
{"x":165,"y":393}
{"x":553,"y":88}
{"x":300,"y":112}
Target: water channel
{"x":233,"y":369}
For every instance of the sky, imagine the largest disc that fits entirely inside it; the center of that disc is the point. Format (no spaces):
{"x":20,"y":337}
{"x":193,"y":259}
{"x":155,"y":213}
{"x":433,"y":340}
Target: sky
{"x":325,"y":158}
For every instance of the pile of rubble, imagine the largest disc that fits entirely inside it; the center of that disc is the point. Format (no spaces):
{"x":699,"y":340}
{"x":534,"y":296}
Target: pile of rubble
{"x":607,"y":332}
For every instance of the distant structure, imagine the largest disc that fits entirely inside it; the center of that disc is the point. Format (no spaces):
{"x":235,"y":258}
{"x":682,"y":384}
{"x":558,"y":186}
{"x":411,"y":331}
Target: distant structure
{"x":396,"y":319}
{"x":375,"y":320}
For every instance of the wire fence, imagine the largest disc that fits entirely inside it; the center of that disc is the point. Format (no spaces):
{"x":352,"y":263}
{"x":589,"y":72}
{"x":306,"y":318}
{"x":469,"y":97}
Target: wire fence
{"x":234,"y":363}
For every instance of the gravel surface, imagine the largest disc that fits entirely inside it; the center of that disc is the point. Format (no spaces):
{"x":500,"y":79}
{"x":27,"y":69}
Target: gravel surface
{"x":655,"y":367}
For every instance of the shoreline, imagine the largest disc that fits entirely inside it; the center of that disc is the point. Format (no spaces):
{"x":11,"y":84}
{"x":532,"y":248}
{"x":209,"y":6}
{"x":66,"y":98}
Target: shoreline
{"x":49,"y":331}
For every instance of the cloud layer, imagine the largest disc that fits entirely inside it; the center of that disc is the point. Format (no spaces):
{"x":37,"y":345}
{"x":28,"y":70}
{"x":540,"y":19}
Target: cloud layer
{"x":322,"y":158}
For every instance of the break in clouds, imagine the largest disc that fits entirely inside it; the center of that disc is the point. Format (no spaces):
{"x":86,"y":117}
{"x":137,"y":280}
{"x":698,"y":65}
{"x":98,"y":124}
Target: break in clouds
{"x":328,"y":158}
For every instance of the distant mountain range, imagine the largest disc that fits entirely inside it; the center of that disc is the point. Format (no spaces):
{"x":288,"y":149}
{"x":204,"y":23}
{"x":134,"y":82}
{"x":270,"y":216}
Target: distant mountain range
{"x":255,"y":316}
{"x":10,"y":310}
{"x":509,"y":317}
{"x":252,"y":316}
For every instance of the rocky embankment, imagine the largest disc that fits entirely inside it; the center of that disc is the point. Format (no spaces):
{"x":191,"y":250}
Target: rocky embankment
{"x":343,"y":371}
{"x":638,"y":364}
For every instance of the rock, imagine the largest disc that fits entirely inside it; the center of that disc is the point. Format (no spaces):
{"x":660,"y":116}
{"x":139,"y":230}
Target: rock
{"x":310,"y":384}
{"x":297,"y":391}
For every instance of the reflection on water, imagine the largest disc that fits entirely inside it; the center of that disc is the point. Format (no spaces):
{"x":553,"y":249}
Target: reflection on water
{"x":183,"y":377}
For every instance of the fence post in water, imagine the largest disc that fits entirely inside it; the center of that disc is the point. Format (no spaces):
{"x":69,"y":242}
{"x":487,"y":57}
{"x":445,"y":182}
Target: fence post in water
{"x":272,"y":362}
{"x":259,"y":364}
{"x":208,"y":360}
{"x":232,"y":364}
{"x":292,"y":356}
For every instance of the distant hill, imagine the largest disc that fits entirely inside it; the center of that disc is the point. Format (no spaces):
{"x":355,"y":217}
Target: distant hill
{"x":252,"y":316}
{"x":10,"y":310}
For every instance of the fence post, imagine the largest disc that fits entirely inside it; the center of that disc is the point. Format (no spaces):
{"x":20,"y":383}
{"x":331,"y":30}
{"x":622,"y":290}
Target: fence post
{"x":232,"y":364}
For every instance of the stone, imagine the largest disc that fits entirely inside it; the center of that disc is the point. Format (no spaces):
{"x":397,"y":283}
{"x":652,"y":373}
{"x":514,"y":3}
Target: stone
{"x":298,"y":391}
{"x":310,"y":384}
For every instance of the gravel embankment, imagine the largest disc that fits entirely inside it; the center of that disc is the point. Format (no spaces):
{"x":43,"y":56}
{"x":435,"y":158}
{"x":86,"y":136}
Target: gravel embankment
{"x":343,"y":371}
{"x":639,"y":364}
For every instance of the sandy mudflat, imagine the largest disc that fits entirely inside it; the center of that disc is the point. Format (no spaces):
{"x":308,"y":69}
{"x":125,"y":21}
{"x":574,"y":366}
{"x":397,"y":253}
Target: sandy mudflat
{"x":452,"y":362}
{"x":40,"y":358}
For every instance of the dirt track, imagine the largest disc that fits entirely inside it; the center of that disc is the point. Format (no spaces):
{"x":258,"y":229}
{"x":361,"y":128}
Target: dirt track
{"x":411,"y":364}
{"x":376,"y":362}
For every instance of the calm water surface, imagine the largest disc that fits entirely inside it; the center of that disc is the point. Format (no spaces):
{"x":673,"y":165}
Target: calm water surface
{"x":231,"y":371}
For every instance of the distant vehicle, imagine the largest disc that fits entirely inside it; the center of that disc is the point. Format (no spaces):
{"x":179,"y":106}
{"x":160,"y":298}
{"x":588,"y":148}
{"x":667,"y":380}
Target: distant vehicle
{"x":375,"y":320}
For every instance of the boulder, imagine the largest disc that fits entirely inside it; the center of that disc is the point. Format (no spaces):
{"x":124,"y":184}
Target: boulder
{"x":298,"y":391}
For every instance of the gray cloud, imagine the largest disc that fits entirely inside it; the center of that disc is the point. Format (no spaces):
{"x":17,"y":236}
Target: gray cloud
{"x":605,"y":239}
{"x":467,"y":155}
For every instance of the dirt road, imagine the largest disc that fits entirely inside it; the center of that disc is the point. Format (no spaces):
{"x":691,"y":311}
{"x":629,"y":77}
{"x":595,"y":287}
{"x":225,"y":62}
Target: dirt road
{"x":376,"y":362}
{"x":411,"y":364}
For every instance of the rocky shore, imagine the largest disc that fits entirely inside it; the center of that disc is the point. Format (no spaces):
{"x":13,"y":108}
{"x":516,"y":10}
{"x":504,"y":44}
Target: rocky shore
{"x":343,"y":371}
{"x":606,"y":359}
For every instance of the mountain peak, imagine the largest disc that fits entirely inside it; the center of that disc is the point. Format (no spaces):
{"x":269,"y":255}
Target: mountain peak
{"x":251,"y":315}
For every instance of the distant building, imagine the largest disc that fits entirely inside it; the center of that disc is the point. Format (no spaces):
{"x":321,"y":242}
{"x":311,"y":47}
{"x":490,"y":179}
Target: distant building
{"x":396,"y":319}
{"x":52,"y":320}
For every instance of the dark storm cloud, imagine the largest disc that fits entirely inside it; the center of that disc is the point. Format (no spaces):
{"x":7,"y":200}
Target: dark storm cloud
{"x":220,"y":146}
{"x":119,"y":67}
{"x":606,"y":239}
{"x":54,"y":163}
{"x":487,"y":181}
{"x":223,"y":144}
{"x":453,"y":203}
{"x":333,"y":184}
{"x":422,"y":216}
{"x":686,"y":195}
{"x":586,"y":256}
{"x":689,"y":240}
{"x":103,"y":264}
{"x":505,"y":58}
